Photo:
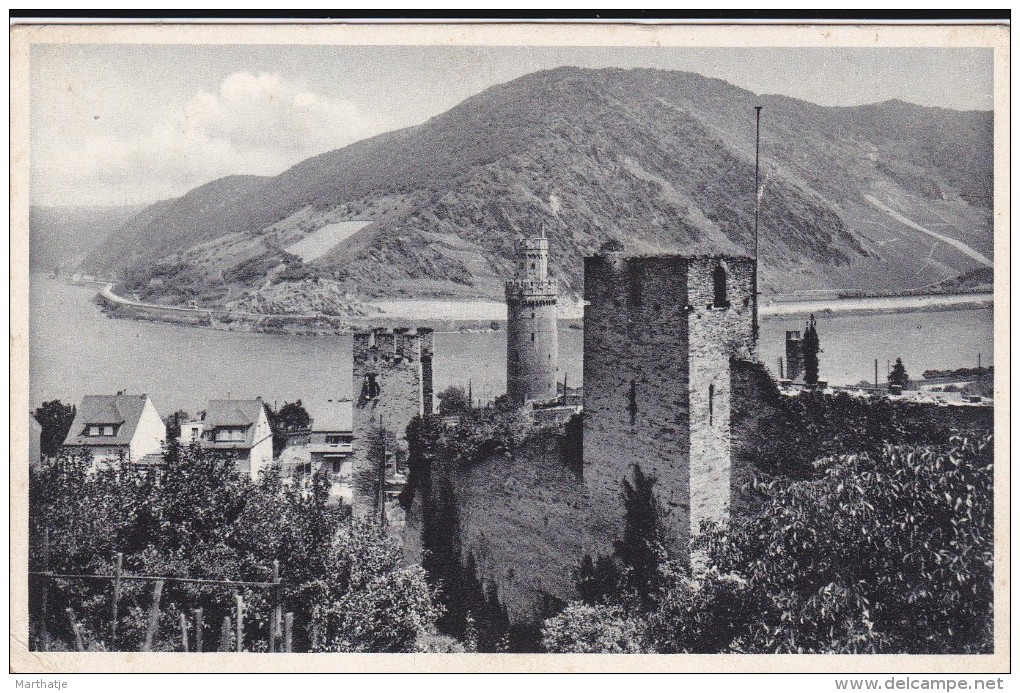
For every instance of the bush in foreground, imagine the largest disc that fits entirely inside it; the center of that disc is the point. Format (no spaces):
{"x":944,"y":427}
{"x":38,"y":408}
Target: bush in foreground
{"x":888,"y":553}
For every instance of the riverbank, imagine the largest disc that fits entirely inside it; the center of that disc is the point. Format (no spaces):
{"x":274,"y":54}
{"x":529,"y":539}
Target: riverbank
{"x":471,"y":316}
{"x":77,"y":350}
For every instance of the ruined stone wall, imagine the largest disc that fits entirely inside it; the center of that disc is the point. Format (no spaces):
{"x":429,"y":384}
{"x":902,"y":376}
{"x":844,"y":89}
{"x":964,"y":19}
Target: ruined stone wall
{"x":635,"y":392}
{"x":521,"y":518}
{"x":391,"y":385}
{"x":754,"y":398}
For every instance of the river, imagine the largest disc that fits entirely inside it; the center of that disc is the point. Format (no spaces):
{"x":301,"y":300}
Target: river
{"x":76,"y":350}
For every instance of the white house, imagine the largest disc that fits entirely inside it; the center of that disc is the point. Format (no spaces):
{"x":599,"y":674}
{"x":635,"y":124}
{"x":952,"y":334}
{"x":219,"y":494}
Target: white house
{"x":331,"y":443}
{"x":239,"y":429}
{"x":191,"y":432}
{"x":118,"y":427}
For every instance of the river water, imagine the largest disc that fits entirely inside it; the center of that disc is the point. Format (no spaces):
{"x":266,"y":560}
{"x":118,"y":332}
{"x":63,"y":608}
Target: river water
{"x":76,"y":350}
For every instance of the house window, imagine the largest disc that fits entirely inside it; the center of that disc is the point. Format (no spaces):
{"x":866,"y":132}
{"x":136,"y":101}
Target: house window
{"x":719,"y":282}
{"x":194,"y":434}
{"x":230,"y":435}
{"x":93,"y":431}
{"x":101,"y":430}
{"x":108,"y":430}
{"x":337,"y":439}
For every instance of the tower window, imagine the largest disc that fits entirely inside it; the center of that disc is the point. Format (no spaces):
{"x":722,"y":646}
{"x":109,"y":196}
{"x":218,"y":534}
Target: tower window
{"x":719,"y":282}
{"x":532,"y":336}
{"x":632,"y":406}
{"x":711,"y":402}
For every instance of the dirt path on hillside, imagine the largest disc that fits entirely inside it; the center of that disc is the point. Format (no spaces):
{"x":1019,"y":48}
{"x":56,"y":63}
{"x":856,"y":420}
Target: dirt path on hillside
{"x":959,"y":245}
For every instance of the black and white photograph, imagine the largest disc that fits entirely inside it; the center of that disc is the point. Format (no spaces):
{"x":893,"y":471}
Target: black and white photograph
{"x":440,"y":341}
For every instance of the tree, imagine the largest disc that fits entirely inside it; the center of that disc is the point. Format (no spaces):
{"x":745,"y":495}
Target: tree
{"x":293,"y":417}
{"x":640,"y":550}
{"x":173,"y":424}
{"x":886,"y":553}
{"x":598,"y":629}
{"x":453,"y":400}
{"x":898,"y":374}
{"x":199,"y":517}
{"x":56,"y":418}
{"x":289,"y":418}
{"x":810,"y":347}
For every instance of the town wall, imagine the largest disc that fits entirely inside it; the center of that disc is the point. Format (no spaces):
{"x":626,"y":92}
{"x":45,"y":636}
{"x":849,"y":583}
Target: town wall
{"x":521,"y":517}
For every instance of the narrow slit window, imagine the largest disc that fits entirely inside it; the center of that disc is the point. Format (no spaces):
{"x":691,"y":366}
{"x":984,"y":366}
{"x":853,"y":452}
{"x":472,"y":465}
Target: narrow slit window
{"x":719,"y":282}
{"x":711,"y":403}
{"x":632,"y":406}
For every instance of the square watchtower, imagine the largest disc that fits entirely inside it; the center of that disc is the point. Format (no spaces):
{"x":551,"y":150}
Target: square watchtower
{"x":392,"y":384}
{"x":659,"y":335}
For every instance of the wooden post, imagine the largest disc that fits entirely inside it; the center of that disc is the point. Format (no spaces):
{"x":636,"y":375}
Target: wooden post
{"x":46,"y":591}
{"x":77,"y":630}
{"x":239,"y":625}
{"x":153,"y":625}
{"x":275,"y":617}
{"x":225,"y":635}
{"x":288,"y":632}
{"x":116,"y":597}
{"x":198,"y":629}
{"x":184,"y":633}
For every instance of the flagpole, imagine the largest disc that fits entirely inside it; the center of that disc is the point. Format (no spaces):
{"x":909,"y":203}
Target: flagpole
{"x":757,"y":203}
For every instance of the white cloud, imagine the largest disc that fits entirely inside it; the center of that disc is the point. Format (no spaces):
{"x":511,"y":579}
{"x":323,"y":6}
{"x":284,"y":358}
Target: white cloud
{"x":255,"y":124}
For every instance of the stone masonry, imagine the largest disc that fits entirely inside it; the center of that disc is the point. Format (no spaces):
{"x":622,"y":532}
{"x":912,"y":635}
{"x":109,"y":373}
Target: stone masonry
{"x":392,"y":384}
{"x":532,"y":358}
{"x":659,"y":336}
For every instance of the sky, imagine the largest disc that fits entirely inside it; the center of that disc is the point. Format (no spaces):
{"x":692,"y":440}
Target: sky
{"x":132,"y":124}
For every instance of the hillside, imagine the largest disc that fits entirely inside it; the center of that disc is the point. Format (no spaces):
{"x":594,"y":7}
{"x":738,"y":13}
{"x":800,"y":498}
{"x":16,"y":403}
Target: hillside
{"x":61,"y":237}
{"x":855,"y":198}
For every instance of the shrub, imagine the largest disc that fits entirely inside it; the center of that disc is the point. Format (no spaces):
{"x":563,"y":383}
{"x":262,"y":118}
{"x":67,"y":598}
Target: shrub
{"x":887,"y":553}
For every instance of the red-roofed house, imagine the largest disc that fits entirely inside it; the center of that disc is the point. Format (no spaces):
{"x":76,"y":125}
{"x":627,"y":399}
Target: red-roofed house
{"x":117,"y":427}
{"x":238,"y":428}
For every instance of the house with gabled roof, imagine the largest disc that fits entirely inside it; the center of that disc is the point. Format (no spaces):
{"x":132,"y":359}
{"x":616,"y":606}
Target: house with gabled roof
{"x":118,"y":428}
{"x":331,"y":443}
{"x":238,"y":429}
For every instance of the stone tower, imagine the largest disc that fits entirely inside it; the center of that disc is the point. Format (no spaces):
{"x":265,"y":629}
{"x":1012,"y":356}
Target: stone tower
{"x":392,"y":384}
{"x":532,"y":358}
{"x":794,"y":355}
{"x":660,"y":333}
